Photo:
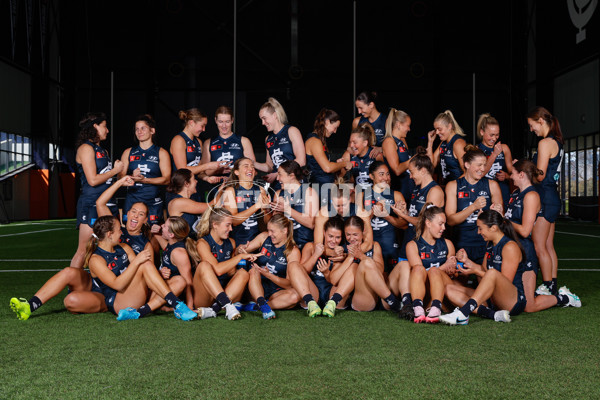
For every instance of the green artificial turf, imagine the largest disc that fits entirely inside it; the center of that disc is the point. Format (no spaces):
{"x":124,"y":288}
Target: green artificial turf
{"x":547,"y":355}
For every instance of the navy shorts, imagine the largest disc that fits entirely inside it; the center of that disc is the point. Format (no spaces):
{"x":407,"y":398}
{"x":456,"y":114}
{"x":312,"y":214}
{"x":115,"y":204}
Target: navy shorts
{"x":531,"y":260}
{"x":519,"y":306}
{"x":224,"y":280}
{"x":324,"y":288}
{"x":109,"y":297}
{"x":87,"y":213}
{"x":269,"y":288}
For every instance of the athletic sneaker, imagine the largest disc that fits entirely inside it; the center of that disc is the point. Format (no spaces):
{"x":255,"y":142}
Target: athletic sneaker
{"x":573,"y":299}
{"x":21,"y":307}
{"x":267,"y":312}
{"x":183,"y":312}
{"x":407,"y":312}
{"x":433,"y":316}
{"x":206,"y":312}
{"x":419,"y":315}
{"x":231,"y":312}
{"x":313,"y":309}
{"x":543,"y":290}
{"x":329,"y":309}
{"x":128,"y":313}
{"x":502,"y":316}
{"x":456,"y":317}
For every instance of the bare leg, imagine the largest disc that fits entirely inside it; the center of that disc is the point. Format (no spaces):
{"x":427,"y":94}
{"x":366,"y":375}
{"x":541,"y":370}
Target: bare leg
{"x":301,"y":282}
{"x":458,"y":294}
{"x":236,"y":286}
{"x":176,"y":285}
{"x":77,"y":279}
{"x":496,"y":286}
{"x":418,"y":277}
{"x":254,"y":284}
{"x":284,"y":299}
{"x":345,"y":285}
{"x":541,"y":232}
{"x":400,"y":279}
{"x":552,"y":250}
{"x":85,"y":233}
{"x":85,"y":302}
{"x":436,"y":283}
{"x":535,"y":303}
{"x":365,"y":298}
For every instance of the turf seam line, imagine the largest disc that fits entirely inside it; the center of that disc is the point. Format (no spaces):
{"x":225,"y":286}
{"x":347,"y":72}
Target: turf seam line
{"x":27,"y":233}
{"x":577,"y":234}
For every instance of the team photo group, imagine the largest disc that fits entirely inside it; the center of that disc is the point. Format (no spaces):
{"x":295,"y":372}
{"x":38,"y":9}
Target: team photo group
{"x":207,"y":228}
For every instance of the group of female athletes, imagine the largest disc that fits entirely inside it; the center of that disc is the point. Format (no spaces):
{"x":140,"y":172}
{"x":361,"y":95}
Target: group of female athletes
{"x":366,"y":231}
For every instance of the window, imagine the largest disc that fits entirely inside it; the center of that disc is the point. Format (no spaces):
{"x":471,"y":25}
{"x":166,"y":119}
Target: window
{"x":15,"y":152}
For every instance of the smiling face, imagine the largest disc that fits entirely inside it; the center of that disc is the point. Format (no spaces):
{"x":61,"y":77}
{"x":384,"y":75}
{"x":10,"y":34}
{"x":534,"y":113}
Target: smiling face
{"x":539,"y":126}
{"x":486,"y":232}
{"x":114,"y":235}
{"x":364,"y":109}
{"x":333,"y":238}
{"x":442,"y":129}
{"x":475,"y":169}
{"x":353,"y":234}
{"x":143,"y":132}
{"x":269,"y":120}
{"x":331,"y":128}
{"x":197,"y":127}
{"x":381,"y":177}
{"x":415,"y":173}
{"x":102,"y":130}
{"x":342,"y":205}
{"x":246,"y":171}
{"x":136,"y":217}
{"x":404,"y":127}
{"x":436,"y":226}
{"x":224,"y":123}
{"x":358,"y":144}
{"x":490,"y":135}
{"x":277,"y":234}
{"x":191,"y":185}
{"x":166,"y":230}
{"x":222,"y":229}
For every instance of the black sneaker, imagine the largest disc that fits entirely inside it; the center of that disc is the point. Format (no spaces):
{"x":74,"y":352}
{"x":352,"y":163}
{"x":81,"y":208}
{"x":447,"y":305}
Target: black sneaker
{"x":407,"y":312}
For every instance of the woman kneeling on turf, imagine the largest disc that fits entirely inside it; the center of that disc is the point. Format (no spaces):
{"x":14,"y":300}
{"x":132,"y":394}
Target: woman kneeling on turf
{"x":123,"y":285}
{"x":432,"y":259}
{"x":369,"y":281}
{"x":500,"y":275}
{"x":324,"y":272}
{"x":268,"y":276}
{"x":219,"y":277}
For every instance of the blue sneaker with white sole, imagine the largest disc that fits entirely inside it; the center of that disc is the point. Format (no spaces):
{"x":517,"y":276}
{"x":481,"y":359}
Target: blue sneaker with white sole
{"x":183,"y":312}
{"x":128,"y":313}
{"x":267,"y":312}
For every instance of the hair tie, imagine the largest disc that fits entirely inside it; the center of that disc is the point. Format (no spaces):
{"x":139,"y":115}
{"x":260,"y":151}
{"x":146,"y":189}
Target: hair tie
{"x":95,"y":236}
{"x":429,"y":206}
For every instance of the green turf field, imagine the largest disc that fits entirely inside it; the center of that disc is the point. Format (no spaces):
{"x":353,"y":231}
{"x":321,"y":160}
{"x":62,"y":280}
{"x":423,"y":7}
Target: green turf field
{"x":549,"y":355}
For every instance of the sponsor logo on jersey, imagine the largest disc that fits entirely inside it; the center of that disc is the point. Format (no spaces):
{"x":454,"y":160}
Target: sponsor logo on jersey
{"x":134,"y":158}
{"x":153,"y":217}
{"x":270,"y":144}
{"x":153,"y":159}
{"x":99,"y":154}
{"x":265,"y":252}
{"x":354,"y":164}
{"x":215,"y":147}
{"x":462,"y":195}
{"x":282,"y":260}
{"x":425,"y":255}
{"x":483,"y":193}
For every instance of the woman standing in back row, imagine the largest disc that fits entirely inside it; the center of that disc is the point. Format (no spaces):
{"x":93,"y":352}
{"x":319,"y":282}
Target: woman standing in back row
{"x":548,"y":160}
{"x":452,"y":148}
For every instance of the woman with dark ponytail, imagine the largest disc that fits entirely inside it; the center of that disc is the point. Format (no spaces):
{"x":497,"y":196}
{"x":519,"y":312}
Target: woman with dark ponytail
{"x":322,"y":169}
{"x":500,"y":275}
{"x":548,"y":160}
{"x":522,"y":211}
{"x":95,"y":172}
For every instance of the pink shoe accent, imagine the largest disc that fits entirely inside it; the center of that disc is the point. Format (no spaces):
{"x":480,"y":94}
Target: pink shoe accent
{"x":419,"y":319}
{"x":433,"y":317}
{"x":432,"y":320}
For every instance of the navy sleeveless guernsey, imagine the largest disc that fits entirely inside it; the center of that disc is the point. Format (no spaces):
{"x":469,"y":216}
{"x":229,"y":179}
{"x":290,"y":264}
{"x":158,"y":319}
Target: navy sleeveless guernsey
{"x":228,"y":150}
{"x":548,"y":188}
{"x":247,"y":230}
{"x":274,"y":259}
{"x":432,"y":256}
{"x":402,"y":182}
{"x":378,"y":126}
{"x":360,"y":169}
{"x":191,"y":219}
{"x":222,"y":252}
{"x":494,"y":260}
{"x":418,"y":198}
{"x":498,"y":165}
{"x":280,"y":147}
{"x":165,"y":261}
{"x":136,"y":242}
{"x":302,"y":234}
{"x":193,"y":151}
{"x":466,"y":194}
{"x":384,"y":232}
{"x":148,"y":162}
{"x":317,"y":175}
{"x":450,"y":165}
{"x":514,"y":213}
{"x":117,"y":262}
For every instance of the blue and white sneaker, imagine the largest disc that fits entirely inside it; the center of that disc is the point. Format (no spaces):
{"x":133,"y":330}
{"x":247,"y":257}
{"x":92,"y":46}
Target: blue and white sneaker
{"x":267,"y":312}
{"x":249,"y":307}
{"x":128,"y":313}
{"x":502,"y":316}
{"x":574,"y":300}
{"x":543,"y":290}
{"x":183,"y":312}
{"x":206,"y":312}
{"x":456,"y":317}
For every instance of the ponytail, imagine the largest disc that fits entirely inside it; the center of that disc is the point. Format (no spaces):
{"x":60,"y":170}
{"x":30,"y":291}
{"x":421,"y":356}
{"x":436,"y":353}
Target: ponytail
{"x":210,"y":217}
{"x":448,"y":118}
{"x":365,"y":132}
{"x":421,"y":160}
{"x":484,"y":121}
{"x":394,"y":117}
{"x":428,"y":212}
{"x":101,"y":227}
{"x":192,"y":250}
{"x":193,"y":114}
{"x":274,"y":107}
{"x":555,"y":131}
{"x":471,"y":153}
{"x":319,"y":126}
{"x":283,"y":222}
